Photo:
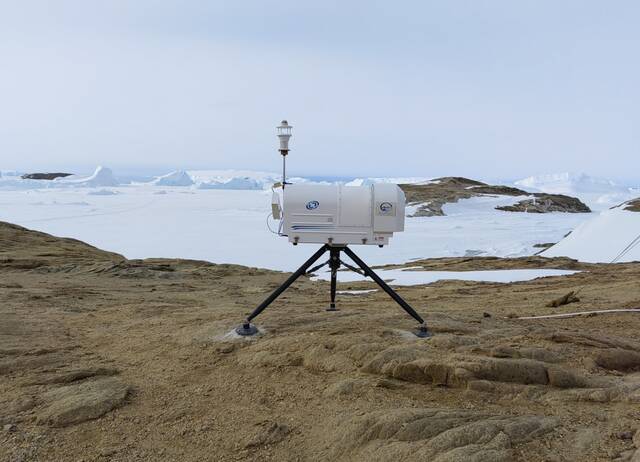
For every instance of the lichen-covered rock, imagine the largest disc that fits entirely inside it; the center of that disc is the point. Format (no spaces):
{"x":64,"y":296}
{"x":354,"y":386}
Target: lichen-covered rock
{"x":594,"y":340}
{"x":79,"y":374}
{"x":561,"y":377}
{"x":618,"y":359}
{"x":393,"y":355}
{"x":538,"y":354}
{"x":437,"y":435}
{"x":347,"y":387}
{"x":77,"y":403}
{"x":457,"y":371}
{"x":271,"y":433}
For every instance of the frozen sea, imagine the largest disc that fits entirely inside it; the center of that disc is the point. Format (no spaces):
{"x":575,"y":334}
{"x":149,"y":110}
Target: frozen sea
{"x":230,"y":226}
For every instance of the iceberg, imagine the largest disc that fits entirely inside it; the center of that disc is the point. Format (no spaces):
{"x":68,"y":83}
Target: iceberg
{"x":177,"y":178}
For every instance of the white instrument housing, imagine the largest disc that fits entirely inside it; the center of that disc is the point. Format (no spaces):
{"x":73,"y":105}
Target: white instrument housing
{"x":338,"y":214}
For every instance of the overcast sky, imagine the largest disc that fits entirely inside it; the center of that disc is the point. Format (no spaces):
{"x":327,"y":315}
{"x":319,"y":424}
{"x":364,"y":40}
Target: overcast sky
{"x":488,"y":89}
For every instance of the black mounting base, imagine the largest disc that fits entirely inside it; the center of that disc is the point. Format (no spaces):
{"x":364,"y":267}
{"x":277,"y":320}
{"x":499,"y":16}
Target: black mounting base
{"x":334,"y":263}
{"x":246,"y":329}
{"x":422,"y":332}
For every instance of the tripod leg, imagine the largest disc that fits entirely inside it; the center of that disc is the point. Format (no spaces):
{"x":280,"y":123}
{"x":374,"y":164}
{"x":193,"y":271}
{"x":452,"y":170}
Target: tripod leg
{"x":334,"y":264}
{"x":422,"y":330}
{"x":246,"y":328}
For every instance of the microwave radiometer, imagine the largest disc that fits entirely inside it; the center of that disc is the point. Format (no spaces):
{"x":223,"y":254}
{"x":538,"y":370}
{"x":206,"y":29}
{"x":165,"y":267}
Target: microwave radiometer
{"x":334,"y":216}
{"x":342,"y":215}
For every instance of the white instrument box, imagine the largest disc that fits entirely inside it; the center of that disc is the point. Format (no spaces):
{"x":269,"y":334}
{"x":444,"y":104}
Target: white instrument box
{"x":339,"y":214}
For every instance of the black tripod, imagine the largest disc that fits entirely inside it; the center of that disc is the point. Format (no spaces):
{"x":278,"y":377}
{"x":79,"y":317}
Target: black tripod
{"x":334,"y":263}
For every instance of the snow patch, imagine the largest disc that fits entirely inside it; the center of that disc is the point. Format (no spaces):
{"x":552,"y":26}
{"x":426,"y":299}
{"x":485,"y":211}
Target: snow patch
{"x":403,"y":277}
{"x":103,"y":192}
{"x":355,"y":292}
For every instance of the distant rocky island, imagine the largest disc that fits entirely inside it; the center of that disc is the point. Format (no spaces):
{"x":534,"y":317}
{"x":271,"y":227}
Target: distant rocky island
{"x":44,"y":176}
{"x":431,"y":196}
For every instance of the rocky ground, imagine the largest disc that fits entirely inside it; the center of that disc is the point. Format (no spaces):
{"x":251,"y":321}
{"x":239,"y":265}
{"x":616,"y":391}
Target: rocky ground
{"x":430,"y":197}
{"x":102,"y":358}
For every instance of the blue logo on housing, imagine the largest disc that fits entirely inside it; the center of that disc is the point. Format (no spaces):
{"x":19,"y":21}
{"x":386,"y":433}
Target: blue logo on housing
{"x":386,"y":206}
{"x":312,"y":205}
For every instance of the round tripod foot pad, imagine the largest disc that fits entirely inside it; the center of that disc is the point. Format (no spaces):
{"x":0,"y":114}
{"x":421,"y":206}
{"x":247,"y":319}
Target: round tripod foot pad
{"x":246,"y":329}
{"x":422,"y":332}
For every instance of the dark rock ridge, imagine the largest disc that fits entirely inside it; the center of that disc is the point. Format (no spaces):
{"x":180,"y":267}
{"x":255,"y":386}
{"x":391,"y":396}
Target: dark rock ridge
{"x":633,"y":205}
{"x":44,"y":176}
{"x":432,"y":196}
{"x":545,"y":203}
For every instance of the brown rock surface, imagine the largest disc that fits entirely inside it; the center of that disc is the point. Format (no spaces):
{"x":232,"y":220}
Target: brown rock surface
{"x":106,"y":358}
{"x":618,"y":359}
{"x":438,"y":435}
{"x":77,"y":403}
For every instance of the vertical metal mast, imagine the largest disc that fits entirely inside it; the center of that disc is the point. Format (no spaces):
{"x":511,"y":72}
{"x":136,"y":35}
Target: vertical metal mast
{"x":284,"y":133}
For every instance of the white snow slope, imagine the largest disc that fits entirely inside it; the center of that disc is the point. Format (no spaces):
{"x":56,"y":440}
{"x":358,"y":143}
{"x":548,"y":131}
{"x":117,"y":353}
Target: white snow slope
{"x":612,"y":235}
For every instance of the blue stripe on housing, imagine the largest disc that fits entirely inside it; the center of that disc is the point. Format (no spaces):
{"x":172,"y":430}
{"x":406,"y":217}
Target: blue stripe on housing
{"x":309,"y":227}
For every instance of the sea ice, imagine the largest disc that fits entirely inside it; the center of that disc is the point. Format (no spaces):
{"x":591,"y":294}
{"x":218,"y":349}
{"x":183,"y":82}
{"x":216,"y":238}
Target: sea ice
{"x":229,"y":226}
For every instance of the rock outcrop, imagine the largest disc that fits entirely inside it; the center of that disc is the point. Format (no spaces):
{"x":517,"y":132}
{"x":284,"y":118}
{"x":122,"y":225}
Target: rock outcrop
{"x":545,"y":203}
{"x":430,"y":197}
{"x":72,"y":404}
{"x":24,"y":249}
{"x":439,"y":435}
{"x":633,"y":205}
